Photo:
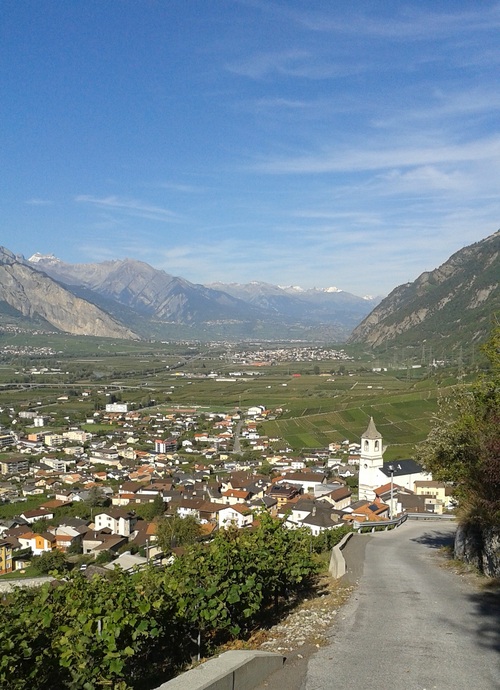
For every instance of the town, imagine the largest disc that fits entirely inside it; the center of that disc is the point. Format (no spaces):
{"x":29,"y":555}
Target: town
{"x":96,"y":492}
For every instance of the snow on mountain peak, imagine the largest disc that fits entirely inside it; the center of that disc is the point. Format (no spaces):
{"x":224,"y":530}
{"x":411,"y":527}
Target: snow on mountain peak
{"x":37,"y":257}
{"x":296,"y":288}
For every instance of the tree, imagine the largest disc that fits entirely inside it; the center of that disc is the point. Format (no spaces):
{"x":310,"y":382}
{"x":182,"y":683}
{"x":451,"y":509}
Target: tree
{"x":177,"y":531}
{"x":96,"y":498}
{"x":464,"y":446}
{"x":40,"y":526}
{"x":148,"y":511}
{"x":48,"y":561}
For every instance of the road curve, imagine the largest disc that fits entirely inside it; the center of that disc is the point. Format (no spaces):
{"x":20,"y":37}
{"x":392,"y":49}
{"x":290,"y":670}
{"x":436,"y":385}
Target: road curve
{"x":411,"y":624}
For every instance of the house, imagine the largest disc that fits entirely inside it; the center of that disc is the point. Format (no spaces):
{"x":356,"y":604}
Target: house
{"x":32,"y":516}
{"x":67,"y":536}
{"x":5,"y":557}
{"x":237,"y":516}
{"x":339,"y":497}
{"x":283,"y":493}
{"x":366,"y":511}
{"x":105,"y":456}
{"x":307,"y":481}
{"x":234,"y":496}
{"x":95,"y":541}
{"x":38,"y":543}
{"x":322,"y":518}
{"x":117,"y":520}
{"x":438,"y":495}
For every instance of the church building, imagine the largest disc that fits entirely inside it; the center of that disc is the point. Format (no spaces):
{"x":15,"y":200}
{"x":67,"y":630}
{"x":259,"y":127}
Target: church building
{"x":374,"y":472}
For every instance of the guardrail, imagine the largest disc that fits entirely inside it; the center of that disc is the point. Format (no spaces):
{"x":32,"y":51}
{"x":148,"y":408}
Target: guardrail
{"x":361,"y":527}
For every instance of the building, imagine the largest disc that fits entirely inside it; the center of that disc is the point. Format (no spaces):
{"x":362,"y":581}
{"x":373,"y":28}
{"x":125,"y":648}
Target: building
{"x":117,"y":407}
{"x":5,"y":557}
{"x":168,"y":445}
{"x":374,"y":472}
{"x":118,"y":521}
{"x":13,"y":465}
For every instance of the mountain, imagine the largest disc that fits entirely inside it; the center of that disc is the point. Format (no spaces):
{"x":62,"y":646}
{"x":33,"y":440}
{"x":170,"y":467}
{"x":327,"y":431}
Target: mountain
{"x":154,"y":302}
{"x":148,"y":291}
{"x":448,"y":307}
{"x":27,"y":292}
{"x":316,"y":305}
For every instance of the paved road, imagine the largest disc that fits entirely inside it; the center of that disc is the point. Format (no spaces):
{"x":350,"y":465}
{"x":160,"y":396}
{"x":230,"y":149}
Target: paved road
{"x":410,"y":624}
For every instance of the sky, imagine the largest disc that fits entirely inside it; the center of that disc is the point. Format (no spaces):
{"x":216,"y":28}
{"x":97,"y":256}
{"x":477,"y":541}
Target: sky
{"x":294,"y":142}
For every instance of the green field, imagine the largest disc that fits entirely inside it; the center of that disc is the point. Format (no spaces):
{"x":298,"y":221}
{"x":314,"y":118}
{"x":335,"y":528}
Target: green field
{"x":316,"y":408}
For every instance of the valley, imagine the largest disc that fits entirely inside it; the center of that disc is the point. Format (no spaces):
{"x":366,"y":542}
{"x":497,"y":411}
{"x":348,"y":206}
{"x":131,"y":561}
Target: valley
{"x":320,"y":400}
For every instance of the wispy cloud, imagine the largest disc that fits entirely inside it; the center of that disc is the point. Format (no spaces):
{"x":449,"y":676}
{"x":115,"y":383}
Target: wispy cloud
{"x":291,"y":63}
{"x":408,"y":23}
{"x":442,"y":106}
{"x":178,"y":187}
{"x":131,"y":207}
{"x":38,"y":202}
{"x":350,"y":160}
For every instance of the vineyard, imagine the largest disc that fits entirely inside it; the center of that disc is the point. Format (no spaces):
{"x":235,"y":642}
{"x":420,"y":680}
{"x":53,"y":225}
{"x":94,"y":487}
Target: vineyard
{"x":136,"y":631}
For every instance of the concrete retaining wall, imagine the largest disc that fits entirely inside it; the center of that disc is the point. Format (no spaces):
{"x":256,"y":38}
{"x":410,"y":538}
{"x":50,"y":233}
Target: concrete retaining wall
{"x":337,"y":565}
{"x":236,"y":670}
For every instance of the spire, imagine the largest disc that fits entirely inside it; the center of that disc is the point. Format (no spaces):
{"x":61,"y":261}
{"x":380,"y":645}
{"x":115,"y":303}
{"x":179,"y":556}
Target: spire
{"x":371,"y":432}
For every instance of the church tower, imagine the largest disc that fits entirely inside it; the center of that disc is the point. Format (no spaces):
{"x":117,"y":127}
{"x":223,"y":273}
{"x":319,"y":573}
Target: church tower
{"x":370,"y":462}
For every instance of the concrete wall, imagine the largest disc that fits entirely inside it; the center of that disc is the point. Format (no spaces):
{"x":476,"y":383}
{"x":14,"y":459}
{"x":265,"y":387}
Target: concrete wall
{"x":337,"y":565}
{"x":236,"y":670}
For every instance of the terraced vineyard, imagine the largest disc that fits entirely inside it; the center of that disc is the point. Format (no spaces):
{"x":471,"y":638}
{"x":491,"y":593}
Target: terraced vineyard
{"x":402,"y":416}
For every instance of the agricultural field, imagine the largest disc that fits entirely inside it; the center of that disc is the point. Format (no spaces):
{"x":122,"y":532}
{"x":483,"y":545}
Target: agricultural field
{"x":314,"y":402}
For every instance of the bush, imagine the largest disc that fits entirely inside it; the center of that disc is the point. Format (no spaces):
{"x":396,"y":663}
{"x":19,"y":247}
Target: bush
{"x":48,"y":562}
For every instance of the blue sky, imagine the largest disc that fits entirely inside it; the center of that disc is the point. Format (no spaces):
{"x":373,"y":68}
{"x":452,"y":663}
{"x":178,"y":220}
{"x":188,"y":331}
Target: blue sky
{"x":297,"y":142}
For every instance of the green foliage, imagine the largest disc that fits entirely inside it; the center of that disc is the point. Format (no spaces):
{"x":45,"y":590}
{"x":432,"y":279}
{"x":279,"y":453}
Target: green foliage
{"x":174,"y":531}
{"x":83,"y":634}
{"x":148,"y":511}
{"x":96,"y":498}
{"x":48,"y":562}
{"x":464,"y":446}
{"x":128,"y":631}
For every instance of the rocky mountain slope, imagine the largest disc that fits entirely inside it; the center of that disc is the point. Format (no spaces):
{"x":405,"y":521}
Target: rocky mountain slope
{"x":149,"y":300}
{"x":35,"y":295}
{"x":327,"y":305}
{"x":148,"y":291}
{"x":450,"y":305}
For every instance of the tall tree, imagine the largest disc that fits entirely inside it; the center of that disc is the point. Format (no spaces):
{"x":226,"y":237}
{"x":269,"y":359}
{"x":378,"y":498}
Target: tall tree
{"x":176,"y":531}
{"x":464,"y":446}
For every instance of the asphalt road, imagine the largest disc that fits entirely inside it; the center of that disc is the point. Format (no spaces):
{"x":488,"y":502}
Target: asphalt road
{"x":411,"y":624}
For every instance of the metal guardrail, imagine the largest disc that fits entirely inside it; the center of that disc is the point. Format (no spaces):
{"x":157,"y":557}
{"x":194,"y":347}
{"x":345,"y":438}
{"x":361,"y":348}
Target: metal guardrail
{"x":361,"y":527}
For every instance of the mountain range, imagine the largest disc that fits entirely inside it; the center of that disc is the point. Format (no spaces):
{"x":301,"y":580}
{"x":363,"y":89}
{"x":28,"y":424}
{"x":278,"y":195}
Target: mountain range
{"x":130,"y":299}
{"x":450,"y":306}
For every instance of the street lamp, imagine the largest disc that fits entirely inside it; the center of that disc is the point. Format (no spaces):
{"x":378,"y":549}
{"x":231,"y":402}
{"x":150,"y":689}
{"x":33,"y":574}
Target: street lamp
{"x":391,"y":470}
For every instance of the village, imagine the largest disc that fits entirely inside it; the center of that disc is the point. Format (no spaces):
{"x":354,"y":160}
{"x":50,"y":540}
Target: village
{"x":216,"y":468}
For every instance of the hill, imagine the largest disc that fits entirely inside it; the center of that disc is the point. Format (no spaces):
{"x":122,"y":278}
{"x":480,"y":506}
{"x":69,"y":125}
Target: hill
{"x":34,"y":297}
{"x":448,"y":308}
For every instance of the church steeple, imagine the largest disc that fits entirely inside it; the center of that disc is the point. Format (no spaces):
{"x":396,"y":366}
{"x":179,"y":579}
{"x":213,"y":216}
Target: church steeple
{"x":371,"y":461}
{"x":371,"y":431}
